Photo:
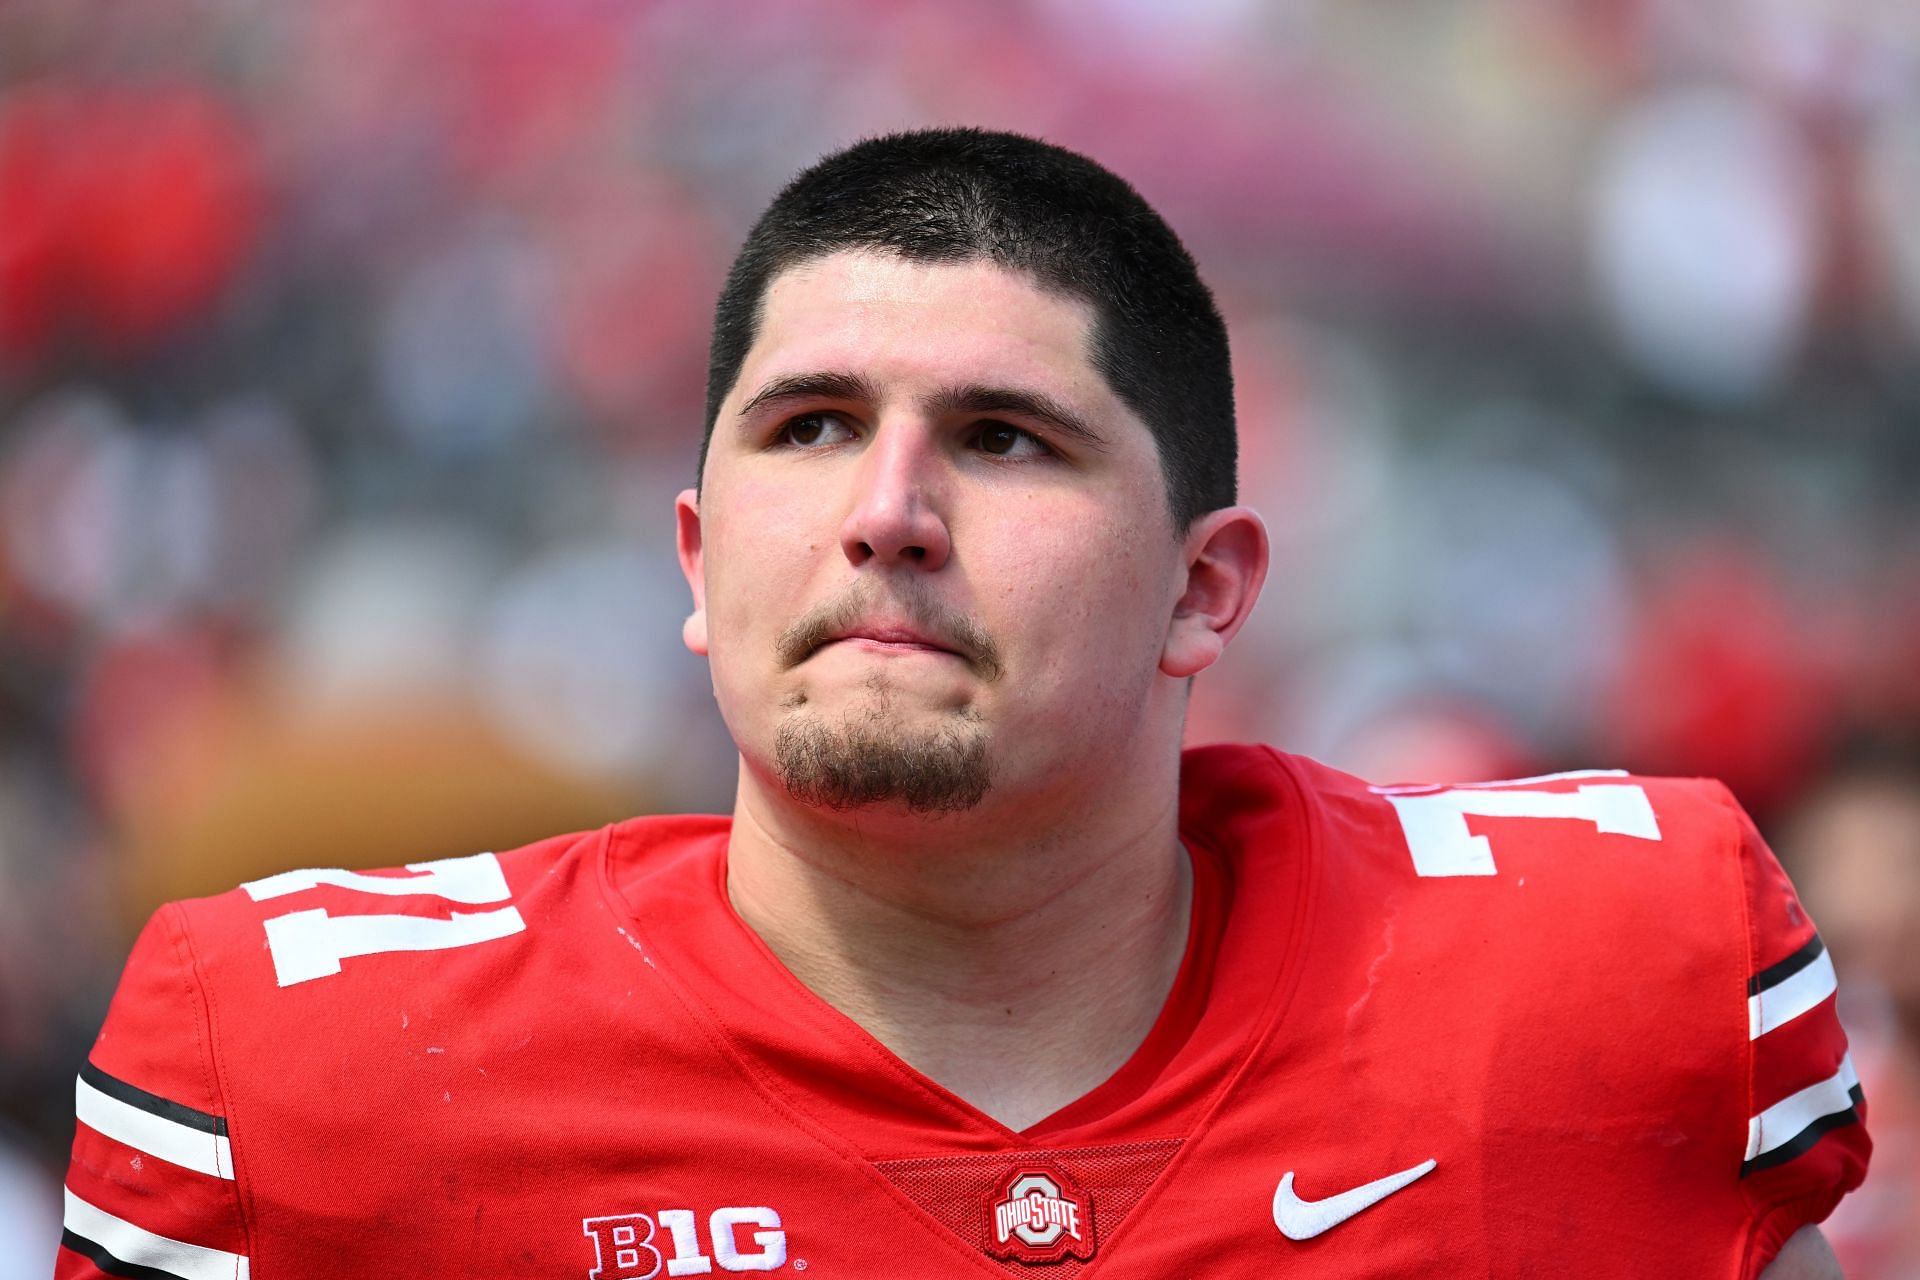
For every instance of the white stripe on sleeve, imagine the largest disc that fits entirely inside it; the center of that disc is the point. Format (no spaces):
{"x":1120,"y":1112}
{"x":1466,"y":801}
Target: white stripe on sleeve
{"x":1786,"y":1119}
{"x":137,"y":1245}
{"x":1782,"y":1003}
{"x":169,"y":1140}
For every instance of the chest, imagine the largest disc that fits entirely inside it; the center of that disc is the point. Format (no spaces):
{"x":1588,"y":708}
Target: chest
{"x":1402,"y":1118}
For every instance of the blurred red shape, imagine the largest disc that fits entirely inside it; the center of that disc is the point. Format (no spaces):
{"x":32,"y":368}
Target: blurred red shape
{"x":1722,"y":679}
{"x":123,"y":213}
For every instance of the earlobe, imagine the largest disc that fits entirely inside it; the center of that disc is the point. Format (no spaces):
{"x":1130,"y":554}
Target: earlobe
{"x":1226,"y":556}
{"x":687,"y":541}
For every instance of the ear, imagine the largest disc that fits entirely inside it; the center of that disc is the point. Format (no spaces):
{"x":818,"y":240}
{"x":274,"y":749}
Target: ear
{"x":1226,"y":557}
{"x":686,"y":512}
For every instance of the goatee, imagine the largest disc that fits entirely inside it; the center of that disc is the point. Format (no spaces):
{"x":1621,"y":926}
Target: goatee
{"x":867,"y":757}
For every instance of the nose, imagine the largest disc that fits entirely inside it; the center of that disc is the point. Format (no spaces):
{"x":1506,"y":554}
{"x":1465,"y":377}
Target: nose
{"x":896,"y":516}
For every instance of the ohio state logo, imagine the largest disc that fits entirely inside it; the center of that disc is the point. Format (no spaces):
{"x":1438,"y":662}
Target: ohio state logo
{"x":1039,"y":1214}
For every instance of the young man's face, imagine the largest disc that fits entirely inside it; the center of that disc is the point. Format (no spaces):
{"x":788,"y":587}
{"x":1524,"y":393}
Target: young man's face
{"x":932,"y":552}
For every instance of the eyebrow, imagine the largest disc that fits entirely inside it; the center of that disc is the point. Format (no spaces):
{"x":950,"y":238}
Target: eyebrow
{"x":969,"y":398}
{"x":979,"y":398}
{"x":811,"y":386}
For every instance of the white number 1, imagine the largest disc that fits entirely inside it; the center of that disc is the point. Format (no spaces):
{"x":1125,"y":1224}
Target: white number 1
{"x":311,"y":944}
{"x":1435,"y":822}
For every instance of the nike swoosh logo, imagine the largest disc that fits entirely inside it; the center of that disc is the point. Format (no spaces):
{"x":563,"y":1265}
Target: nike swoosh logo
{"x":1304,"y":1219}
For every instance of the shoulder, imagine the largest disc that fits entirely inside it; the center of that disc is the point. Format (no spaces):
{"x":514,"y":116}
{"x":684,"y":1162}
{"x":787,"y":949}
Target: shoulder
{"x":316,"y":960}
{"x":1648,"y":831}
{"x":314,"y":974}
{"x":300,"y":1021}
{"x":1588,"y":873}
{"x":348,"y":939}
{"x":304,"y":925}
{"x":318,"y":954}
{"x":1614,"y":918}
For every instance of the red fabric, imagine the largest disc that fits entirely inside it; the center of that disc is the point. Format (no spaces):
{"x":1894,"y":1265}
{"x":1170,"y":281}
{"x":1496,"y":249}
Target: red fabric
{"x":163,"y":1198}
{"x":157,"y":1037}
{"x":1803,"y":1052}
{"x":1790,"y":1058}
{"x":1567,"y":1038}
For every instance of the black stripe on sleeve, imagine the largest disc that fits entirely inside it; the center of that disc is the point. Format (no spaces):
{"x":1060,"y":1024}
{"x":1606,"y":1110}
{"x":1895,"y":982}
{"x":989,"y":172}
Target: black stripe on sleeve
{"x":113,"y":1266}
{"x":1802,"y":1142}
{"x":152,"y":1103}
{"x":1775,"y":974}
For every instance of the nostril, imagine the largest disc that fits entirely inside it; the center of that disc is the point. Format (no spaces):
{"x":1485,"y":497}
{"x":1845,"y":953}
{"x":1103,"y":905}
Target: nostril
{"x":914,"y":553}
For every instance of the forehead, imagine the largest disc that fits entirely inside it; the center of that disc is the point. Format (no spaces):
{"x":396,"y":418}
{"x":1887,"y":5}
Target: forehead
{"x":898,"y":322}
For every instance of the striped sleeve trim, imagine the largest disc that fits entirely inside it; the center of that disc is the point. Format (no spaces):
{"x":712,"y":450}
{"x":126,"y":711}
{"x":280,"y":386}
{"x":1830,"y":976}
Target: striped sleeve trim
{"x":155,"y":1125}
{"x":1792,"y":1125}
{"x":1782,"y":992}
{"x":119,"y":1248}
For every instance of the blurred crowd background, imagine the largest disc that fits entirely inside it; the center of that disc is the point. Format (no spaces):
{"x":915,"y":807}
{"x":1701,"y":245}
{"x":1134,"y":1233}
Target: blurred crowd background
{"x":351,"y":354}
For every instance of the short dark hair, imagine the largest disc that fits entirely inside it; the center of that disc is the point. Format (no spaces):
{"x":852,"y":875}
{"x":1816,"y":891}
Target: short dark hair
{"x":957,"y":195}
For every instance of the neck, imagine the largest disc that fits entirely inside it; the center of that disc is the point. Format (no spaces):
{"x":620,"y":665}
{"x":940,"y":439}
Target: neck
{"x":1018,"y":971}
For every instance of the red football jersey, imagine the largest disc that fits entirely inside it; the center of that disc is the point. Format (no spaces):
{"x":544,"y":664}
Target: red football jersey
{"x":1573,"y":1026}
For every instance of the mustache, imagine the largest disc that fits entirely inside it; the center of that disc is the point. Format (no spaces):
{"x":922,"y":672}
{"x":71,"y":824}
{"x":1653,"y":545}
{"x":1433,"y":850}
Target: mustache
{"x":947,"y":627}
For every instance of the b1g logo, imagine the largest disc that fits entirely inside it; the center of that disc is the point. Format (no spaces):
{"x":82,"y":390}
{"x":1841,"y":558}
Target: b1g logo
{"x":1040,"y":1214}
{"x":624,"y":1247}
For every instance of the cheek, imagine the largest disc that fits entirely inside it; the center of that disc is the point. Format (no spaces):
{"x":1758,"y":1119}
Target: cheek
{"x":758,"y":551}
{"x":1088,"y":601}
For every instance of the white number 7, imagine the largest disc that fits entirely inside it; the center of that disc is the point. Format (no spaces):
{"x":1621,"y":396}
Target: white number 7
{"x":311,"y":944}
{"x":1435,"y":822}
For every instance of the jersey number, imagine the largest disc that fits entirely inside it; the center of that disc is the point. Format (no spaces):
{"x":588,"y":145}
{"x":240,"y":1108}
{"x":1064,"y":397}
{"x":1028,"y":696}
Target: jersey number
{"x":1435,"y":822}
{"x":311,"y":944}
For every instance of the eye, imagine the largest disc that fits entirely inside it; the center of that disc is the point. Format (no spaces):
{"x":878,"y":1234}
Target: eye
{"x":1004,"y":441}
{"x":812,"y":430}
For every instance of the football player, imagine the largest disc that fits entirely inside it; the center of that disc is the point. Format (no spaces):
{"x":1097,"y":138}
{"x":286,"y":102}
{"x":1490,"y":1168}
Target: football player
{"x":983,"y":977}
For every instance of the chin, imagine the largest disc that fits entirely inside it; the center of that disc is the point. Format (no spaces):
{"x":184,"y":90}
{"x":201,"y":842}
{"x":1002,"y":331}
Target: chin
{"x":865,"y":757}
